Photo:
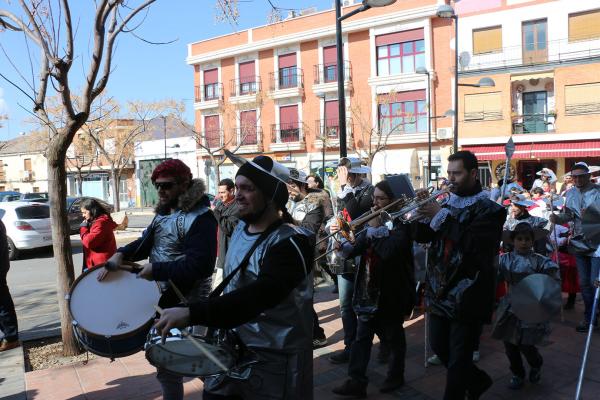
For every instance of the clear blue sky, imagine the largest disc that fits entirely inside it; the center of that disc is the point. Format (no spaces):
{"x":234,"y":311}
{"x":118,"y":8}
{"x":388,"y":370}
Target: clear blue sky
{"x":140,"y":70}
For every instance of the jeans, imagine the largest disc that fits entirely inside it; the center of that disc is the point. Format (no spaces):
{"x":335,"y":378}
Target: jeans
{"x":8,"y":317}
{"x":171,"y":384}
{"x":360,"y":353}
{"x":587,"y":268}
{"x":453,"y":342}
{"x":531,"y":353}
{"x":346,"y":291}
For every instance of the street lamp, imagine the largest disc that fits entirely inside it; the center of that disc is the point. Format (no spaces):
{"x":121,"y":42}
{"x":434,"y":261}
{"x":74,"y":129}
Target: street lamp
{"x":323,"y":132}
{"x":165,"y":133}
{"x":366,"y":4}
{"x":483,"y":82}
{"x":446,"y":11}
{"x":423,"y":70}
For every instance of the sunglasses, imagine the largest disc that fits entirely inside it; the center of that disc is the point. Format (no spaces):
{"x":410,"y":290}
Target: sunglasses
{"x":163,"y":185}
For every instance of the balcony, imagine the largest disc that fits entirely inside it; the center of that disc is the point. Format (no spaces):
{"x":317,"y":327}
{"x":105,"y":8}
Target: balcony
{"x":551,"y":52}
{"x":208,"y":96}
{"x":330,"y":131}
{"x":326,"y":78}
{"x":288,"y":136}
{"x":244,"y":90}
{"x":212,"y":139}
{"x":532,"y":123}
{"x":286,"y":82}
{"x":249,"y":139}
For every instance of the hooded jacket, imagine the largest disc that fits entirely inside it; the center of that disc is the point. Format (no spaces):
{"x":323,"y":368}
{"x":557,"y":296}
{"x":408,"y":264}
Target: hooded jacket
{"x":98,"y":241}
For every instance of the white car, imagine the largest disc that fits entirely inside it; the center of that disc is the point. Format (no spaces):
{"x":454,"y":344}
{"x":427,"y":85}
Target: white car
{"x":27,"y":224}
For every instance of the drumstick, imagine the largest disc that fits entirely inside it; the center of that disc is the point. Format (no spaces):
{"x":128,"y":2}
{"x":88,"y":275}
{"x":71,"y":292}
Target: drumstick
{"x":178,"y":293}
{"x":198,"y":345}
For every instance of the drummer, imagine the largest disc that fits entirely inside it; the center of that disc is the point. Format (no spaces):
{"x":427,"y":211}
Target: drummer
{"x":520,"y":337}
{"x":181,"y":243}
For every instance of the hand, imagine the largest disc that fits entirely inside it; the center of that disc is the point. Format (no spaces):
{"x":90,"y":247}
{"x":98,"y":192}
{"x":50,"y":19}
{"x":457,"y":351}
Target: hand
{"x":342,"y":173}
{"x":430,"y":209}
{"x":421,"y":194}
{"x":102,"y":274}
{"x":114,"y":263}
{"x":146,"y":272}
{"x":334,"y":227}
{"x":178,"y":317}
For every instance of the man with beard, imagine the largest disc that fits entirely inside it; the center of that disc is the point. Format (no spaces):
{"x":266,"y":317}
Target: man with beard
{"x":267,"y":296}
{"x":180,"y":244}
{"x":226,"y":213}
{"x":308,"y":208}
{"x":464,"y":234}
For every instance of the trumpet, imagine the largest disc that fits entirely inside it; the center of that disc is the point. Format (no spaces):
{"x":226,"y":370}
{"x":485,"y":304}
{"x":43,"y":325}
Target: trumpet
{"x":409,"y":212}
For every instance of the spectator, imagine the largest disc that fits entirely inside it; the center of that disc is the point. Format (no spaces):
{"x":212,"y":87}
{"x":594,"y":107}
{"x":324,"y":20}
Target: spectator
{"x":545,"y":175}
{"x":97,"y":235}
{"x":8,"y":316}
{"x":226,"y":213}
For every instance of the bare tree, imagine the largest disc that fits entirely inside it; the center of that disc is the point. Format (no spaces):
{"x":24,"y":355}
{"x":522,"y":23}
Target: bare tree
{"x":49,"y":25}
{"x":81,"y":156}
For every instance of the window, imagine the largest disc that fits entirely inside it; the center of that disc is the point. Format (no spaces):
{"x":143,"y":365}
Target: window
{"x":27,"y":164}
{"x":247,"y":78}
{"x":485,"y":175}
{"x":288,"y":73}
{"x":288,"y":124}
{"x":248,"y":127}
{"x":212,"y":131}
{"x":401,"y":52}
{"x":123,"y":191}
{"x":582,"y":99}
{"x":487,"y":40}
{"x":483,"y":107}
{"x":330,"y":64}
{"x":584,"y":25}
{"x":404,"y":112}
{"x":211,"y":84}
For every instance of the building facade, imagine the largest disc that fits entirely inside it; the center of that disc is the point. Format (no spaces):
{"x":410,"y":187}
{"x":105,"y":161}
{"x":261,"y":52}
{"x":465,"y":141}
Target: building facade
{"x":273,"y":90}
{"x":23,"y":166}
{"x":544,"y":56}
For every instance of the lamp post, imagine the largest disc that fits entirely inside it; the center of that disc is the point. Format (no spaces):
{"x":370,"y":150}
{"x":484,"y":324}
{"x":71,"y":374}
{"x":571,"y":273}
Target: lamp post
{"x":323,"y":136}
{"x":423,"y":70}
{"x":366,"y":4}
{"x":165,"y":133}
{"x":446,"y":11}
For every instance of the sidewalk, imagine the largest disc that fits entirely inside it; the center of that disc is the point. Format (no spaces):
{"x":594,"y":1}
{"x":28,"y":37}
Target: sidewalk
{"x":133,"y":378}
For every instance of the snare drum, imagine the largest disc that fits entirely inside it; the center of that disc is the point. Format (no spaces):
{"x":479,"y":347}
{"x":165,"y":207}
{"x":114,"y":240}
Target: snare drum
{"x":180,"y":356}
{"x":112,"y":318}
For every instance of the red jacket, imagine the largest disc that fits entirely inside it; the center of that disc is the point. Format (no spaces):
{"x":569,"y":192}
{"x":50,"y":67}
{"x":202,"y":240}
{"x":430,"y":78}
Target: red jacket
{"x":98,"y":241}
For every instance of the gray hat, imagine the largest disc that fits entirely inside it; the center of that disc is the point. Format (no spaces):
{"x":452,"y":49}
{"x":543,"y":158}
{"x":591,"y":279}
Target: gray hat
{"x":521,"y":200}
{"x":297,"y":175}
{"x":354,"y":165}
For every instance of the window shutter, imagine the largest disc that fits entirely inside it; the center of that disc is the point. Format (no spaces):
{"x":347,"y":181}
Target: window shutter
{"x":247,"y":72}
{"x":330,"y":55}
{"x":211,"y":123}
{"x":211,"y":76}
{"x":584,"y":25}
{"x":487,"y":40}
{"x":399,"y":37}
{"x":332,"y":111}
{"x":288,"y":116}
{"x":582,"y":99}
{"x":287,"y":60}
{"x":483,"y":106}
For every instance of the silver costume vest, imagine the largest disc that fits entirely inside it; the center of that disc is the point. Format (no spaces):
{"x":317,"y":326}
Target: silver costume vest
{"x":288,"y":325}
{"x":576,"y":202}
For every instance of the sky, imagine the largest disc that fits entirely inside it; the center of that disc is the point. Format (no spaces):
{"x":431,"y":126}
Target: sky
{"x":141,"y":71}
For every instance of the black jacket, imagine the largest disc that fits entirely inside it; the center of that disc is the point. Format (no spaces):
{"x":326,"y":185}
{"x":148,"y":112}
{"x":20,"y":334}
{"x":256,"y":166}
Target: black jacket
{"x":227,"y":218}
{"x":359,"y":202}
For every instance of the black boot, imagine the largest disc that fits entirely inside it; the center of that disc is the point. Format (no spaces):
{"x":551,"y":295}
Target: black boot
{"x":570,"y":304}
{"x":351,"y":388}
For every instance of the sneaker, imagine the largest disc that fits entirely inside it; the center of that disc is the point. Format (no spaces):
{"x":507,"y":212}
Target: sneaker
{"x":341,"y":357}
{"x":351,"y":388}
{"x":319,"y":342}
{"x":516,"y":383}
{"x":6,"y":345}
{"x":535,"y":374}
{"x":476,"y":356}
{"x":391,"y":384}
{"x":434,"y":360}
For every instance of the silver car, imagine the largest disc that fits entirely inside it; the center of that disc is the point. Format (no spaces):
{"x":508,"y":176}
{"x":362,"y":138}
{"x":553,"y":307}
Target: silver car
{"x":27,"y":224}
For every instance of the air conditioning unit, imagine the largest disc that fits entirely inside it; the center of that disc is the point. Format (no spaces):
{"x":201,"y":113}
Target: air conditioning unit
{"x":443,"y":133}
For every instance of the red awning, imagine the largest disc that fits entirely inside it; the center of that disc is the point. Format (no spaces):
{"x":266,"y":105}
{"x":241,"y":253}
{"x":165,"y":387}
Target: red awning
{"x":582,"y":148}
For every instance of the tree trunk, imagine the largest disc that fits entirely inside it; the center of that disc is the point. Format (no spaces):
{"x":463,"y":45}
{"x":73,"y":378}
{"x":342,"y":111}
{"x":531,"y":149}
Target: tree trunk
{"x":115,"y":186}
{"x":61,"y":242}
{"x":79,"y":182}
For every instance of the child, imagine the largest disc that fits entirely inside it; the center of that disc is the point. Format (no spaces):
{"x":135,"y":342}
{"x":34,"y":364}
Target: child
{"x":519,"y":336}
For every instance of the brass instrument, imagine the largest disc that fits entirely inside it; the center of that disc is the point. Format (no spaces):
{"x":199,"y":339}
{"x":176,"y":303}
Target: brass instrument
{"x":410,"y":212}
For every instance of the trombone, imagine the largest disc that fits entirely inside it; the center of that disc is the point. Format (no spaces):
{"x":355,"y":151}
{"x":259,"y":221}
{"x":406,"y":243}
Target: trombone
{"x":409,"y":212}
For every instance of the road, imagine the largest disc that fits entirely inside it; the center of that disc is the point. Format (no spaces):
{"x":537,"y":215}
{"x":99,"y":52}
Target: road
{"x":32,"y":282}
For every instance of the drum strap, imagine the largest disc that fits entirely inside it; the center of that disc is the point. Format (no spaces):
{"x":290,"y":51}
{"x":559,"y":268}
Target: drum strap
{"x":219,"y":289}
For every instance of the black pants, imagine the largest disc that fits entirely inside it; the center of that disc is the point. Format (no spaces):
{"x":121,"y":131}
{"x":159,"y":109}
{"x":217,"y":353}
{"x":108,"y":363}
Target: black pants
{"x":318,"y":332}
{"x":531,"y":353}
{"x":8,"y":317}
{"x":453,"y":342}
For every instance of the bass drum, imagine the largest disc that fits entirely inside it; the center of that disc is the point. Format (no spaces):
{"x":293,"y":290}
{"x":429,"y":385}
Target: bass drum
{"x":112,"y":318}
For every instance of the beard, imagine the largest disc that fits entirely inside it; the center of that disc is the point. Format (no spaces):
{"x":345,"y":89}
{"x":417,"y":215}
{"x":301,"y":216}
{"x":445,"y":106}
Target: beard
{"x":253,"y":217}
{"x":165,"y":208}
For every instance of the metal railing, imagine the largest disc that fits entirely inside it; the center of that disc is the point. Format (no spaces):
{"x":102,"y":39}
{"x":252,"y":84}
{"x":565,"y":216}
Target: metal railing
{"x":531,"y":123}
{"x":212,"y":138}
{"x":286,"y":133}
{"x":212,"y":91}
{"x":546,"y":52}
{"x":331,"y":128}
{"x":249,"y":135}
{"x":286,"y":78}
{"x":245,"y":86}
{"x":326,"y":73}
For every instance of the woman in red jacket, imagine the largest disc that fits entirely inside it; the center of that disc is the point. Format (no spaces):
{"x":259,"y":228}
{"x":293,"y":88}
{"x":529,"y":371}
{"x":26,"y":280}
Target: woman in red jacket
{"x":97,"y":235}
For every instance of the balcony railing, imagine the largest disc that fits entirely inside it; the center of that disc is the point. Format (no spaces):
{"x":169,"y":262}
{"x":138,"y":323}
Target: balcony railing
{"x":212,"y":91}
{"x":286,"y":133}
{"x":212,"y":138}
{"x":249,"y":136}
{"x":554,"y":51}
{"x":245,"y":86}
{"x":327,"y":73}
{"x":532,"y":123}
{"x":286,"y":78}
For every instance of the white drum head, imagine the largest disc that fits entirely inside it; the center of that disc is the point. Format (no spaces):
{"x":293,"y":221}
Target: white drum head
{"x":118,"y":305}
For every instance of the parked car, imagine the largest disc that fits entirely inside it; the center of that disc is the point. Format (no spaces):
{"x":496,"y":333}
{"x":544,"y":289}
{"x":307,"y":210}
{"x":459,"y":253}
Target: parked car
{"x":27,"y":224}
{"x":40,"y":197}
{"x":9,"y":196}
{"x":74,"y":211}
